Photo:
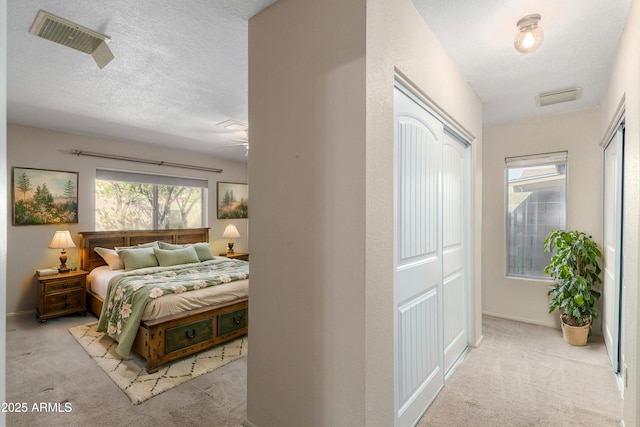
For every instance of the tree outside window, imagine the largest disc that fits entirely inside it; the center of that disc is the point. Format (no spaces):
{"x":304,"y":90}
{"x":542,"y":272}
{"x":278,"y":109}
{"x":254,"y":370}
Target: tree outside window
{"x":123,"y":205}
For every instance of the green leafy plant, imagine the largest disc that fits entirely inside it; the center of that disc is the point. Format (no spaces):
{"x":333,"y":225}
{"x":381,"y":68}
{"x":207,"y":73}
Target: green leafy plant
{"x":574,"y":266}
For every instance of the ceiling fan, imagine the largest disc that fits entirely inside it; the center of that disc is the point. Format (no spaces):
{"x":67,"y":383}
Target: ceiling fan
{"x":242,"y":140}
{"x":242,"y":133}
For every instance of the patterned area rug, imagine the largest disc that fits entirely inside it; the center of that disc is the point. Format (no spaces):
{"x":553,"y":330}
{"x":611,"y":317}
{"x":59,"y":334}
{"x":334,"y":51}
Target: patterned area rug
{"x":130,"y":374}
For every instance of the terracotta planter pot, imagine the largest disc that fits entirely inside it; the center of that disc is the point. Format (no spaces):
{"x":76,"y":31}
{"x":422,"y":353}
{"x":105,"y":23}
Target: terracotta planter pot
{"x":575,"y":335}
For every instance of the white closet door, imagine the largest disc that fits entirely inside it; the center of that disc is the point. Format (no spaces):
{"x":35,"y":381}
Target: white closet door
{"x":454,"y":225}
{"x":418,"y":259}
{"x":612,"y":277}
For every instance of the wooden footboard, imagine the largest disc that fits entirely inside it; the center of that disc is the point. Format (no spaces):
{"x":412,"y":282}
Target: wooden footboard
{"x":173,"y":337}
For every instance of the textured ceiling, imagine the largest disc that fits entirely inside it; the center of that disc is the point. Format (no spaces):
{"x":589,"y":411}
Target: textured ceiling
{"x":181,"y":67}
{"x":580,"y":40}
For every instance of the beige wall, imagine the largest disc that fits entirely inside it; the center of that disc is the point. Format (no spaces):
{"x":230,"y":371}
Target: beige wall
{"x":399,"y":43}
{"x":307,"y":110}
{"x":3,"y":196}
{"x":30,"y":147}
{"x":321,"y":78}
{"x":624,"y":89}
{"x":577,"y":133}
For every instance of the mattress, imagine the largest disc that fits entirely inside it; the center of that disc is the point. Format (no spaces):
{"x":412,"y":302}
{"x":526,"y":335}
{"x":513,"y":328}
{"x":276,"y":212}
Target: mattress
{"x":170,"y":304}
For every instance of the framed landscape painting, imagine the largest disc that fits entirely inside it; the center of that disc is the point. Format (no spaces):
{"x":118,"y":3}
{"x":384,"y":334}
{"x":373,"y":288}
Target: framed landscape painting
{"x":43,"y":196}
{"x":233,"y":200}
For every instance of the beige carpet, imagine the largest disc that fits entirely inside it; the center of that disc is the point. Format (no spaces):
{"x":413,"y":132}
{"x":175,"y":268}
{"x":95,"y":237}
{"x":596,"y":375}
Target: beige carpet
{"x":526,"y":376}
{"x":130,"y":374}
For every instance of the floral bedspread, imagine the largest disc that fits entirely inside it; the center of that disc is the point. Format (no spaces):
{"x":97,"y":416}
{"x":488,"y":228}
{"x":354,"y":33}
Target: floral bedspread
{"x":128,"y":293}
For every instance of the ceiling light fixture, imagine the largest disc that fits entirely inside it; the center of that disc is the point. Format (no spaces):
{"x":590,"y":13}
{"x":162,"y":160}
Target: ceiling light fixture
{"x":529,"y":36}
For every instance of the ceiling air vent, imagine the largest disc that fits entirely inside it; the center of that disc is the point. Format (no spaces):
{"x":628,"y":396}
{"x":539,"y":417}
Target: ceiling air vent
{"x":557,"y":97}
{"x":66,"y":33}
{"x":233,"y":124}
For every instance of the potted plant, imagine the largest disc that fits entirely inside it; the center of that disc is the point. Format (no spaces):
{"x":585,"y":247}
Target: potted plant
{"x":575,"y":269}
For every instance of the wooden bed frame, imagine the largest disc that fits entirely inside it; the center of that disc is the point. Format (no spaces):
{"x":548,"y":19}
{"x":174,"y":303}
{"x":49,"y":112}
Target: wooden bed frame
{"x":171,"y":337}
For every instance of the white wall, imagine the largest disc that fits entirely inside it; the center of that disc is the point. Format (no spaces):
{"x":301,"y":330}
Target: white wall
{"x":624,"y":87}
{"x":30,"y":147}
{"x":577,"y":133}
{"x":321,"y":117}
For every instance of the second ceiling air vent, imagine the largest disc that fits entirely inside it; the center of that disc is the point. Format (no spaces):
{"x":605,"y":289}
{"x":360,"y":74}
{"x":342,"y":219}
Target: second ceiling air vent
{"x":67,"y":33}
{"x":559,"y":96}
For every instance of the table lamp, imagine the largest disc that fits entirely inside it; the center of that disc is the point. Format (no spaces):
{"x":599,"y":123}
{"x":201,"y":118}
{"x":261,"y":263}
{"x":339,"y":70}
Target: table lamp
{"x":231,"y":232}
{"x":62,"y":240}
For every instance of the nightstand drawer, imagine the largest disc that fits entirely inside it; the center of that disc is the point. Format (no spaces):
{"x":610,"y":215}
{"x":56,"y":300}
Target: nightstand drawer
{"x":61,"y":301}
{"x":63,"y":284}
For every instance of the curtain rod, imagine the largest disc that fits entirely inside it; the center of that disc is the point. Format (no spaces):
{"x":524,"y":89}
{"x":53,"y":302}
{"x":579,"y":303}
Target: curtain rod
{"x":138,"y":160}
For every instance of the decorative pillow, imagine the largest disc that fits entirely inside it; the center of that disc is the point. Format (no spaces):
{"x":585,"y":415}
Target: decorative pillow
{"x":142,"y":245}
{"x":168,"y":257}
{"x":202,"y":249}
{"x":111,"y":257}
{"x":164,"y":245}
{"x":134,"y":259}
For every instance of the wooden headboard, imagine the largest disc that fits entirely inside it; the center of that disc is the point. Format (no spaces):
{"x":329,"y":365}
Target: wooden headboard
{"x":89,"y":259}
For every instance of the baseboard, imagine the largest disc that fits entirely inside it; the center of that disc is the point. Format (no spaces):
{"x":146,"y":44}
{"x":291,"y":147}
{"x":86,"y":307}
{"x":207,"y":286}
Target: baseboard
{"x":596,"y":331}
{"x":248,"y":423}
{"x":21,"y":313}
{"x":520,"y":319}
{"x":480,"y":341}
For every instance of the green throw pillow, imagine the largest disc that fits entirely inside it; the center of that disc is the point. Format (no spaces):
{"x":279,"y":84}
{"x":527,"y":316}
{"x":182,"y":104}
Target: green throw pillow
{"x":164,"y":245}
{"x":167,"y":257}
{"x":142,"y":245}
{"x":134,"y":259}
{"x":202,"y":249}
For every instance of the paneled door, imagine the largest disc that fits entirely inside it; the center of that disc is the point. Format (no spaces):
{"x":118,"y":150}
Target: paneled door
{"x":426,"y":160}
{"x":455,"y":229}
{"x":612,"y":286}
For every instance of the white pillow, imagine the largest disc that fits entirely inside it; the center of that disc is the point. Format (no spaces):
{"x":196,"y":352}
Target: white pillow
{"x":111,"y":257}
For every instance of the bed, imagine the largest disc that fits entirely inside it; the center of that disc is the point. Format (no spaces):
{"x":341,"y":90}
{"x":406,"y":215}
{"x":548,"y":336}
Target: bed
{"x":163,"y":337}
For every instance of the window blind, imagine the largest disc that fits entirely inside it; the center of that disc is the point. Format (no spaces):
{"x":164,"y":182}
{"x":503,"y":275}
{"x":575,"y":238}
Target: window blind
{"x":128,"y":176}
{"x":559,"y":157}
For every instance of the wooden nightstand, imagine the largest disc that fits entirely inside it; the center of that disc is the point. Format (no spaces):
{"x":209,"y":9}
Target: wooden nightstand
{"x":238,"y":255}
{"x":61,"y":294}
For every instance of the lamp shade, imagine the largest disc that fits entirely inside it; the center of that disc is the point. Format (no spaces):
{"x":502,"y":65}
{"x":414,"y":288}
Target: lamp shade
{"x":62,"y":240}
{"x":231,"y":232}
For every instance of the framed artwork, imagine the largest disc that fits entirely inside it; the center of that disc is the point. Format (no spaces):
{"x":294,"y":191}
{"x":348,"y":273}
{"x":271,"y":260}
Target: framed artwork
{"x":41,"y":196}
{"x":233,"y":200}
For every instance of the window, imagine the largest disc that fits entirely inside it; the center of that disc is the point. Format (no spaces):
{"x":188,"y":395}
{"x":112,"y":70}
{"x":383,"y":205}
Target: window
{"x":138,"y":201}
{"x":536,"y":204}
